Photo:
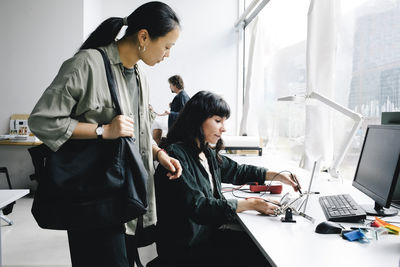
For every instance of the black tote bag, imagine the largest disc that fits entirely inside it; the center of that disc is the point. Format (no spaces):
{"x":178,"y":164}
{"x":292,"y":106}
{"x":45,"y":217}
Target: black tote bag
{"x":89,"y":183}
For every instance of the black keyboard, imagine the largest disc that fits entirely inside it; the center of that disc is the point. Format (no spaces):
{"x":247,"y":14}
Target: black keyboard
{"x":341,"y":208}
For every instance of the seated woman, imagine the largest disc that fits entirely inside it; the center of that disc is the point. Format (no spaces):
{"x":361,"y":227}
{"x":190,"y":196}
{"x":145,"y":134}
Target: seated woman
{"x":191,"y":211}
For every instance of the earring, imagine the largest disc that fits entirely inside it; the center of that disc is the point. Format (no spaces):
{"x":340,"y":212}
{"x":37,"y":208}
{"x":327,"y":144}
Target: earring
{"x":140,"y":49}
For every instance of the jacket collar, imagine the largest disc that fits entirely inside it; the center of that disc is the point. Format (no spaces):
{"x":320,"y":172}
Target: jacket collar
{"x":113,"y":53}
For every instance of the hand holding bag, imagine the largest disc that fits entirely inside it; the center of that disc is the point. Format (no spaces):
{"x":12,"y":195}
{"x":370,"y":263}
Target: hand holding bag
{"x":90,"y":183}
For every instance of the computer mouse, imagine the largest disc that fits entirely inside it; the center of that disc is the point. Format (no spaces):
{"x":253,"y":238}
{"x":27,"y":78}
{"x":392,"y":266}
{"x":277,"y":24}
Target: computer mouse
{"x":328,"y":228}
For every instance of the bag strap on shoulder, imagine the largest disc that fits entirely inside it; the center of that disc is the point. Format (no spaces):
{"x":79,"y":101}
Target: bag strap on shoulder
{"x":112,"y":85}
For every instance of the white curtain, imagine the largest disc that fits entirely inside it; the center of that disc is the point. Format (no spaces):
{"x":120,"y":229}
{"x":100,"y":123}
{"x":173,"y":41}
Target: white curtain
{"x":321,"y":50}
{"x":254,"y":83}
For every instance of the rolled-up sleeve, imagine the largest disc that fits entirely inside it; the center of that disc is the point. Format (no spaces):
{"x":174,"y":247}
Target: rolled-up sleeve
{"x":51,"y":119}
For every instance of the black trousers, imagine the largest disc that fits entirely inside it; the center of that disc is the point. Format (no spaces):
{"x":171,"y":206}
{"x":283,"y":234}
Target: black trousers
{"x":225,"y":248}
{"x":103,"y":247}
{"x":132,"y":250}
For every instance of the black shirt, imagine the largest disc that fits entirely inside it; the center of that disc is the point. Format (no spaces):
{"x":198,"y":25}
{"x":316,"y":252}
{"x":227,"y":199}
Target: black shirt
{"x":176,"y":106}
{"x":187,"y":210}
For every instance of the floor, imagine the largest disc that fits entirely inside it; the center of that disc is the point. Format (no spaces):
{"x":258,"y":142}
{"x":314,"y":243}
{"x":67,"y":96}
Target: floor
{"x":25,"y":244}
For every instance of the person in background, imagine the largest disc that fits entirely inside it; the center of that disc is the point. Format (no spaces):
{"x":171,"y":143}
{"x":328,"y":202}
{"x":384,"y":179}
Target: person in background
{"x":193,"y":218}
{"x":177,"y":86}
{"x":78,"y":105}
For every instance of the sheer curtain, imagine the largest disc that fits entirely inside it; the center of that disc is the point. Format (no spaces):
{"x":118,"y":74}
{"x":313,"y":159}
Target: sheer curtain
{"x":321,"y":48}
{"x":275,"y":61}
{"x":254,"y":82}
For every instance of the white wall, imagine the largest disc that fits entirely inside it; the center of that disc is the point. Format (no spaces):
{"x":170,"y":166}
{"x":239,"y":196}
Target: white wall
{"x":204,"y":55}
{"x":37,"y":36}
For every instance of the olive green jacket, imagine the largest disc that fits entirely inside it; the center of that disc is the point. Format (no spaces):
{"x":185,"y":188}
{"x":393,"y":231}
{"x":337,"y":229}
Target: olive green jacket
{"x":187,"y":210}
{"x":80,"y":93}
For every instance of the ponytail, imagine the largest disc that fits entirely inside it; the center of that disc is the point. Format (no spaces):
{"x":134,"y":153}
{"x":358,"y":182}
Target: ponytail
{"x":156,"y":17}
{"x":104,"y":34}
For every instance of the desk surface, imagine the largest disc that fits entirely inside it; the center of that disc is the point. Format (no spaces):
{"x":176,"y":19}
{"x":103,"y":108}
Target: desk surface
{"x":297,"y":244}
{"x":8,"y":196}
{"x":20,"y":143}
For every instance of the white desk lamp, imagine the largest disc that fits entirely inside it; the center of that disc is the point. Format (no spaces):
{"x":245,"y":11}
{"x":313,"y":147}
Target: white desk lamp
{"x":357,"y":118}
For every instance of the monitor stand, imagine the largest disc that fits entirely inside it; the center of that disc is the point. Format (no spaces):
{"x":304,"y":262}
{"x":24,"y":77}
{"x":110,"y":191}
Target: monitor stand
{"x":378,"y":210}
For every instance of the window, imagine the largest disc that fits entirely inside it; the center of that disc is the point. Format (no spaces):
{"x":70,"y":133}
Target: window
{"x":283,"y":26}
{"x":367,"y":71}
{"x":368,"y":64}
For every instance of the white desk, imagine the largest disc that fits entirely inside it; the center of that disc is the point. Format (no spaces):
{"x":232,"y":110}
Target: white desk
{"x":6,"y":197}
{"x":297,"y":244}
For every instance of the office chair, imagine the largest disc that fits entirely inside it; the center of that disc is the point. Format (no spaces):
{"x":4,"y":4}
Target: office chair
{"x":7,"y":209}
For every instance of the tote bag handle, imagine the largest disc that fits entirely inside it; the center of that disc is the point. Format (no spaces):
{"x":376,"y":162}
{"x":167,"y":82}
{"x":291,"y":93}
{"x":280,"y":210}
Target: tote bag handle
{"x":112,"y":85}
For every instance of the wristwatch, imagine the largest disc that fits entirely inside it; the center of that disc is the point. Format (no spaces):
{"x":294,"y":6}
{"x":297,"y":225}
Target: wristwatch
{"x":100,"y":131}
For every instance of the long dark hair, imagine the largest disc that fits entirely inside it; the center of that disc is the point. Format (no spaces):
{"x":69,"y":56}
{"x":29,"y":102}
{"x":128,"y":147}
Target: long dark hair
{"x":156,"y":17}
{"x":188,"y":126}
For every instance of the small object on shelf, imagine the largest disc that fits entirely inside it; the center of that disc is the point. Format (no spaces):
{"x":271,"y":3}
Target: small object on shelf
{"x":19,"y":125}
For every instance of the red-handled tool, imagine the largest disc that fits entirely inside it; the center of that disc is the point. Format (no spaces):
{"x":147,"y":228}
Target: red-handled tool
{"x":273,"y":188}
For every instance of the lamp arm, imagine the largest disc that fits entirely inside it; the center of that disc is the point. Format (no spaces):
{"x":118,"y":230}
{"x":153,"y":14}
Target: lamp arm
{"x":333,"y":170}
{"x":346,"y":111}
{"x":357,"y":118}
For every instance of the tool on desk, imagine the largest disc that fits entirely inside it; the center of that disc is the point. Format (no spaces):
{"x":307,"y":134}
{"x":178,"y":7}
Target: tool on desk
{"x":381,"y":223}
{"x":311,"y":193}
{"x":288,"y":202}
{"x":355,"y":235}
{"x":288,"y":216}
{"x":273,"y":188}
{"x":309,"y":188}
{"x":311,"y":219}
{"x":361,"y":228}
{"x":295,"y":204}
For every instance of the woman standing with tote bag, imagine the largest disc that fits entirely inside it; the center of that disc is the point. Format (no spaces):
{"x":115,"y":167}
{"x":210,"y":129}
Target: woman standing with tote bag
{"x":78,"y":105}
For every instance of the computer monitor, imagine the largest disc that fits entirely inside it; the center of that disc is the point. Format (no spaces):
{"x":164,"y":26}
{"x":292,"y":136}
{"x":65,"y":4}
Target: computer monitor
{"x":393,"y":117}
{"x":378,"y":167}
{"x":390,"y":117}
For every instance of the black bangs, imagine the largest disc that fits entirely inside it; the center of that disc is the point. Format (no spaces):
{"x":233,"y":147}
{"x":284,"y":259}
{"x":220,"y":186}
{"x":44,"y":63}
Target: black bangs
{"x":212,"y":104}
{"x":220,"y":108}
{"x":188,"y":126}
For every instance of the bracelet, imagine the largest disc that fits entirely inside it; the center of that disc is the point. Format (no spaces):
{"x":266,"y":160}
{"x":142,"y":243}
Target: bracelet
{"x":158,"y":151}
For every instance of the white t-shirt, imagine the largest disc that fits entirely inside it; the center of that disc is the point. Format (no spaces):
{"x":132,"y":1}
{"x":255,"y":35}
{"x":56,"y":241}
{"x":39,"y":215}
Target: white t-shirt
{"x":207,"y":167}
{"x":161,"y":122}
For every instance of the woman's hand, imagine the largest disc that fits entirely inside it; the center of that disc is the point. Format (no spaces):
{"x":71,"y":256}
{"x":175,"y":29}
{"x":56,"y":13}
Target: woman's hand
{"x":120,"y":126}
{"x":289,"y":179}
{"x":171,"y":164}
{"x":257,"y":204}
